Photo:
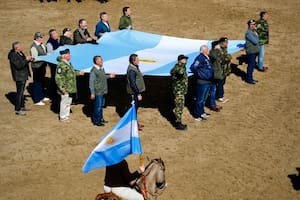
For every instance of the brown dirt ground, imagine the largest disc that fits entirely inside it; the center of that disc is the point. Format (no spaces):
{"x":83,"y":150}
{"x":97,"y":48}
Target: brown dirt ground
{"x":244,"y":152}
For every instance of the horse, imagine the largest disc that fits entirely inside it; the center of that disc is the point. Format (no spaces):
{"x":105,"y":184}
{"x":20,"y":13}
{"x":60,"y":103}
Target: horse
{"x":154,"y":180}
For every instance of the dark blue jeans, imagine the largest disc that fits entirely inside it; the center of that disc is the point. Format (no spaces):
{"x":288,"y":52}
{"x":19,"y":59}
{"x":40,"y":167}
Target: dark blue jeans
{"x":136,"y":101}
{"x":251,"y":64}
{"x":220,"y":88}
{"x":212,"y":95}
{"x":202,"y":91}
{"x":20,"y":85}
{"x":38,"y":83}
{"x":98,"y":109}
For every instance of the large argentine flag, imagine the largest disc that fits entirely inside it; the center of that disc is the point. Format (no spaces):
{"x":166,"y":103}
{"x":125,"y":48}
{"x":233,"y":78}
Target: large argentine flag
{"x":157,"y":53}
{"x":121,"y":141}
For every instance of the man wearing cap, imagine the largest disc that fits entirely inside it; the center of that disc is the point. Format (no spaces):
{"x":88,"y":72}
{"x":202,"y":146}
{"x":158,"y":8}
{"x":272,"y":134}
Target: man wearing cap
{"x":39,"y":70}
{"x":221,"y":65}
{"x":66,"y":37}
{"x":252,"y":50}
{"x":263,"y":34}
{"x":102,"y":26}
{"x":66,"y":82}
{"x":81,"y":35}
{"x":179,"y":88}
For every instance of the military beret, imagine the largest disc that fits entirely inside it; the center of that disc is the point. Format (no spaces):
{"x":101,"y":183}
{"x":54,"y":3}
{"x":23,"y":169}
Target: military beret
{"x":223,"y":39}
{"x":66,"y":30}
{"x":38,"y":35}
{"x":66,"y":51}
{"x":251,"y":21}
{"x":180,"y":57}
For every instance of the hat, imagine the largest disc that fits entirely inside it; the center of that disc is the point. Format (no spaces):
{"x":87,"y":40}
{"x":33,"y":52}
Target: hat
{"x":180,"y":57}
{"x":65,"y":30}
{"x":38,"y":35}
{"x":66,"y":51}
{"x":251,"y":21}
{"x":223,"y":39}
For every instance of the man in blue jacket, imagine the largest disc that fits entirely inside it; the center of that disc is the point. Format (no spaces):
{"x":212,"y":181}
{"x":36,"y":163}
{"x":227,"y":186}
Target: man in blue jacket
{"x":203,"y":71}
{"x":102,"y":26}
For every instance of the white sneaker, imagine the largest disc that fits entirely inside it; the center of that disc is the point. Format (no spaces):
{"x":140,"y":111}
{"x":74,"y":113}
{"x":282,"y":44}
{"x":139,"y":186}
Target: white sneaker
{"x":223,"y":100}
{"x":204,"y":116}
{"x":46,"y":99}
{"x":198,"y":119}
{"x":39,"y":103}
{"x":66,"y":119}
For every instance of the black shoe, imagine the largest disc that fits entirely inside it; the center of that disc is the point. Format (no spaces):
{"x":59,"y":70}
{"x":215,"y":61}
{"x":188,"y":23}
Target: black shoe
{"x":103,"y":121}
{"x":100,"y":124}
{"x":256,"y":81}
{"x":180,"y":126}
{"x":20,"y":112}
{"x":251,"y":82}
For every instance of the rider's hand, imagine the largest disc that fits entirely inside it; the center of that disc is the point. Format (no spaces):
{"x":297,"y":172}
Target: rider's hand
{"x":141,"y":169}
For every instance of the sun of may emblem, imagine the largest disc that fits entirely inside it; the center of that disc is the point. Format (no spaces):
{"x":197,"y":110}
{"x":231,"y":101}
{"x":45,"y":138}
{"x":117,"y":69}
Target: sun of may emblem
{"x":110,"y":140}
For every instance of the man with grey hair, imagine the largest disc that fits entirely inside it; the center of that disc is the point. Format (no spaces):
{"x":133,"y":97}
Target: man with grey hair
{"x":203,"y":71}
{"x":102,"y":26}
{"x":20,"y":72}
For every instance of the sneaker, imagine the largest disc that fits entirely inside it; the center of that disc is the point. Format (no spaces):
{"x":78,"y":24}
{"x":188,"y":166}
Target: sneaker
{"x":39,"y":103}
{"x":21,"y":113}
{"x":66,"y":119}
{"x":204,"y":116}
{"x":223,"y":100}
{"x":198,"y":119}
{"x":46,"y":99}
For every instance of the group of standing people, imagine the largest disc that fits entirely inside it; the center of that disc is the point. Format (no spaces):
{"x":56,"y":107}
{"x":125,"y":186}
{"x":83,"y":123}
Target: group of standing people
{"x":212,"y":66}
{"x":257,"y":36}
{"x":62,"y":84}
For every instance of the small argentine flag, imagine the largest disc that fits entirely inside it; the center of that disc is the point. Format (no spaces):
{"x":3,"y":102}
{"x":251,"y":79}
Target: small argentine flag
{"x":116,"y":145}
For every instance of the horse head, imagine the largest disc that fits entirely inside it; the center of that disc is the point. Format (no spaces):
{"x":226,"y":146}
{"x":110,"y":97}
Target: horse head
{"x":154,"y":177}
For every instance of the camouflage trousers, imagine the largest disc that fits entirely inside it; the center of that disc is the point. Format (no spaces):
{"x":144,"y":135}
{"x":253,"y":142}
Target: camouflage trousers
{"x":179,"y":105}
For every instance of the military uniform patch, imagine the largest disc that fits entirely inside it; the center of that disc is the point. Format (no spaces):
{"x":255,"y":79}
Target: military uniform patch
{"x":59,"y":70}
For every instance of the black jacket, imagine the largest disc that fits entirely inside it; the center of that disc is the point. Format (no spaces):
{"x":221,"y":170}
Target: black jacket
{"x":19,"y":66}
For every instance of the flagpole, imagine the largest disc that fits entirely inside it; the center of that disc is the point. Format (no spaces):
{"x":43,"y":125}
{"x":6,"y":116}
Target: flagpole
{"x":143,"y":177}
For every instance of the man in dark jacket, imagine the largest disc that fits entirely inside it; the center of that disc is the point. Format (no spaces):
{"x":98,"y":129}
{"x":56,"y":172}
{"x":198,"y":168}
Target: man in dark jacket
{"x":20,"y":72}
{"x":135,"y":81}
{"x":203,"y":71}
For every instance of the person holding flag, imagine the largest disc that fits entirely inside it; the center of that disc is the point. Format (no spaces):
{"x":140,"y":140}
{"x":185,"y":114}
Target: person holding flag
{"x":111,"y":152}
{"x":119,"y":180}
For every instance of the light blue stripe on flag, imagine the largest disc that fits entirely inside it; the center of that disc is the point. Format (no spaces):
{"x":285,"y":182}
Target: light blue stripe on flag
{"x":115,"y":146}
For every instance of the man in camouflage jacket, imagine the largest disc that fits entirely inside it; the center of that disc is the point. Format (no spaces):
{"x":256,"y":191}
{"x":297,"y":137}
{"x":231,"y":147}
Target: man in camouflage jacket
{"x":179,"y":88}
{"x":65,"y":79}
{"x":263,"y":34}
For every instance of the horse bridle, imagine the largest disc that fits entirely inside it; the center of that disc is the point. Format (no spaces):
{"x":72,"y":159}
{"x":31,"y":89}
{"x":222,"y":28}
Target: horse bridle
{"x":159,"y":186}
